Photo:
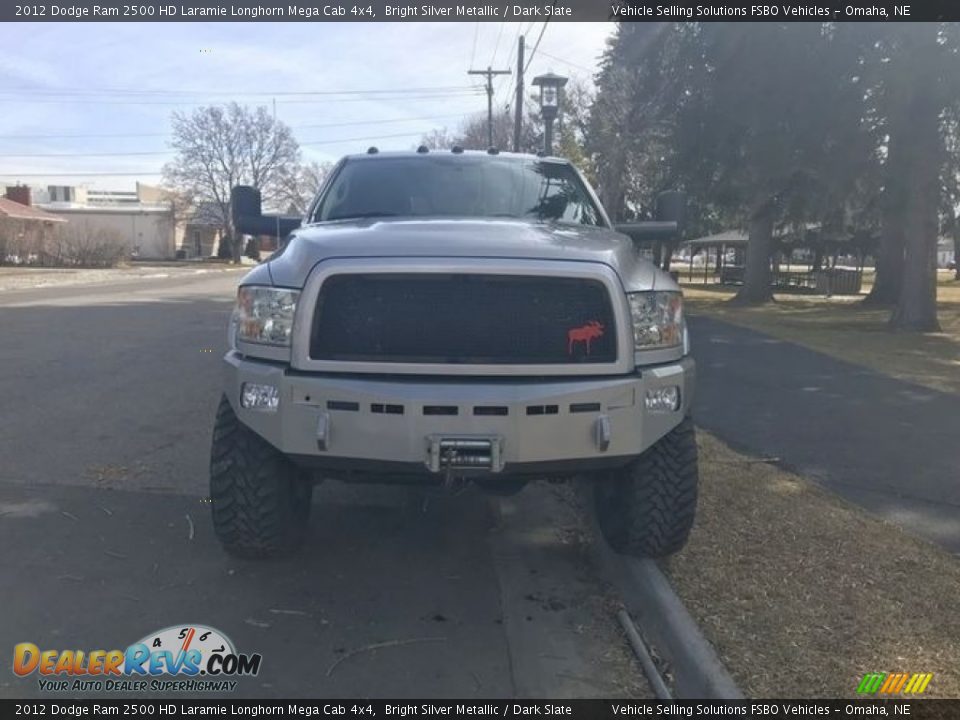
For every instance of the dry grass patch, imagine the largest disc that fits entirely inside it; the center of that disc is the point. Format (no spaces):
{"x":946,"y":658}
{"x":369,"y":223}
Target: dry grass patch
{"x":843,"y":328}
{"x":802,"y":593}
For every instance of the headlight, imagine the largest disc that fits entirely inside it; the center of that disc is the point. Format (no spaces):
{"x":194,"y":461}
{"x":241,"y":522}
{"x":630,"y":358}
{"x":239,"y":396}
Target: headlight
{"x":657,"y":319}
{"x":265,"y":315}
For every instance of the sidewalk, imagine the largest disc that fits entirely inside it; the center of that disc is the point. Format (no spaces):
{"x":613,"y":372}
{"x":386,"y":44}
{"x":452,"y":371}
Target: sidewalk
{"x":887,"y":445}
{"x":25,"y":278}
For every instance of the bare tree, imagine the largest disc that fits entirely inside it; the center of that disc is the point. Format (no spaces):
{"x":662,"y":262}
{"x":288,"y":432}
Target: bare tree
{"x":221,"y":146}
{"x":472,"y":133}
{"x":439,"y":139}
{"x":85,"y":244}
{"x":299,"y":186}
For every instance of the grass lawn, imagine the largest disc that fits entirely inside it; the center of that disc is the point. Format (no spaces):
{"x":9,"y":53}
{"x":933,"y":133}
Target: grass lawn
{"x":841,"y":327}
{"x":802,"y":593}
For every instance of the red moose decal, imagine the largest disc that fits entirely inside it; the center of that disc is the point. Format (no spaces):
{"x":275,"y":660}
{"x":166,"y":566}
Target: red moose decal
{"x":584,"y":333}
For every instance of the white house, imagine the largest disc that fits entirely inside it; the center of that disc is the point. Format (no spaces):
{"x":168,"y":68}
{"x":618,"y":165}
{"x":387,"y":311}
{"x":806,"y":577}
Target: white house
{"x":945,"y":252}
{"x":143,"y":218}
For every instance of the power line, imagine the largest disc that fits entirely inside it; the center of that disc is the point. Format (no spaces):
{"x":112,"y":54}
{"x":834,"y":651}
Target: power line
{"x":435,"y":96}
{"x":505,"y":83}
{"x":172,"y":151}
{"x":513,"y":46}
{"x":292,"y":127}
{"x":499,"y":100}
{"x":473,"y":92}
{"x":250,"y":93}
{"x":497,"y":45}
{"x":567,"y":62}
{"x":502,"y":82}
{"x":473,"y":53}
{"x":55,"y":173}
{"x":536,"y":45}
{"x":520,"y":31}
{"x":358,"y":139}
{"x":518,"y":80}
{"x":147,"y":173}
{"x":91,"y":154}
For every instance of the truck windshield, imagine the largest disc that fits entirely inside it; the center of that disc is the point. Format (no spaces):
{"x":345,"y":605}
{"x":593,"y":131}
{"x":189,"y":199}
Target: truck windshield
{"x":458,"y":186}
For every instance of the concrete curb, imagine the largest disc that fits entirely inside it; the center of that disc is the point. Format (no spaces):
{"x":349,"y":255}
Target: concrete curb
{"x":665,"y":624}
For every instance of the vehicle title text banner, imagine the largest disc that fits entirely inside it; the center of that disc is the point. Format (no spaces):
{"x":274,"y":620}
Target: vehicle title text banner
{"x":478,"y":10}
{"x":179,"y":706}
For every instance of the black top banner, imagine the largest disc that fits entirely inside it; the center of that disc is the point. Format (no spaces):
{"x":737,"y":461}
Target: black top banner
{"x":411,"y":708}
{"x":477,"y":10}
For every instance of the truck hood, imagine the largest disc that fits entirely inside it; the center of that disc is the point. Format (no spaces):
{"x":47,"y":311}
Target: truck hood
{"x":486,"y":238}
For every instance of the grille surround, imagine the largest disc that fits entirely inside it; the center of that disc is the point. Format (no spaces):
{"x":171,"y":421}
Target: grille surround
{"x":442,"y":318}
{"x":622,"y":362}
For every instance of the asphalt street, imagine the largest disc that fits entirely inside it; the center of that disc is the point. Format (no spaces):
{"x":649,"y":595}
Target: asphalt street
{"x":109,"y":393}
{"x":887,"y":445}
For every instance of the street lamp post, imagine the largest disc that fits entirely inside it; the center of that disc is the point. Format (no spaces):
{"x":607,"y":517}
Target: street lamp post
{"x":550,"y":85}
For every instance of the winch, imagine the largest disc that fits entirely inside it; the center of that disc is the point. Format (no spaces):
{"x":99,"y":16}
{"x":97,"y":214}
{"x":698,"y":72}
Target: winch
{"x":454,"y":454}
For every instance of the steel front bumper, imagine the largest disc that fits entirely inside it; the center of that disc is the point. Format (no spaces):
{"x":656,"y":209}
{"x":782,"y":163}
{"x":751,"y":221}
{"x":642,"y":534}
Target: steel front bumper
{"x":517,"y":424}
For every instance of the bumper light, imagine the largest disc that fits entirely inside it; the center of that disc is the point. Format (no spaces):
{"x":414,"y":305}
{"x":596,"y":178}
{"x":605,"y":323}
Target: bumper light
{"x":254,"y":396}
{"x":663,"y":399}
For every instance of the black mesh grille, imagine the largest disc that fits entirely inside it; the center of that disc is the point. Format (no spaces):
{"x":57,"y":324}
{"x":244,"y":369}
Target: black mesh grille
{"x":479,"y":319}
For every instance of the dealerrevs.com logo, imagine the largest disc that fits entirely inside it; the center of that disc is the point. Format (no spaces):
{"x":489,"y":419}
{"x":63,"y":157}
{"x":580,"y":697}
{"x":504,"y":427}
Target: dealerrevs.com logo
{"x":188,"y":658}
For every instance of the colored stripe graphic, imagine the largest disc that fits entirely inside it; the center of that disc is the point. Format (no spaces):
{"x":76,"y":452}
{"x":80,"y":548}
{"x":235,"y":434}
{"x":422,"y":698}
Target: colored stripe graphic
{"x":914,"y":682}
{"x":902,"y":681}
{"x":889,"y":683}
{"x":871,"y":682}
{"x":893,"y":683}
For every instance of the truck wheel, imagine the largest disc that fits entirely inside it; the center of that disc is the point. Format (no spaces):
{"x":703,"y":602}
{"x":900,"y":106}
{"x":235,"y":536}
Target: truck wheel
{"x":646,"y":509}
{"x":260,"y":501}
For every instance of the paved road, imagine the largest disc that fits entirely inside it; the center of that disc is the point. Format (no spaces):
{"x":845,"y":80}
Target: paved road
{"x":108,"y":397}
{"x":112,"y":386}
{"x":887,"y":445}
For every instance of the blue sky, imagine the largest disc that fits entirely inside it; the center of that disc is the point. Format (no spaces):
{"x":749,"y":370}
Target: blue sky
{"x":121,"y":81}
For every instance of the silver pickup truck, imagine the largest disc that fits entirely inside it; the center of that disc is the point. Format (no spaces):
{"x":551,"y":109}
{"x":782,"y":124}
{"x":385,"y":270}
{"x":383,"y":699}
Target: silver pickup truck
{"x":452,"y":317}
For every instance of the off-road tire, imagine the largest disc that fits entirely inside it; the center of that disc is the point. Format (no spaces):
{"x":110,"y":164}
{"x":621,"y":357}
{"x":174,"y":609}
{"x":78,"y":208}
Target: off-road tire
{"x":646,"y":509}
{"x":260,"y":500}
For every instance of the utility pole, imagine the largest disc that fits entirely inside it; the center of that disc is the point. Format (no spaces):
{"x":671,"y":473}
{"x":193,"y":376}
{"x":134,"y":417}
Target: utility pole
{"x":489,"y":72}
{"x":518,"y":105}
{"x":277,"y":246}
